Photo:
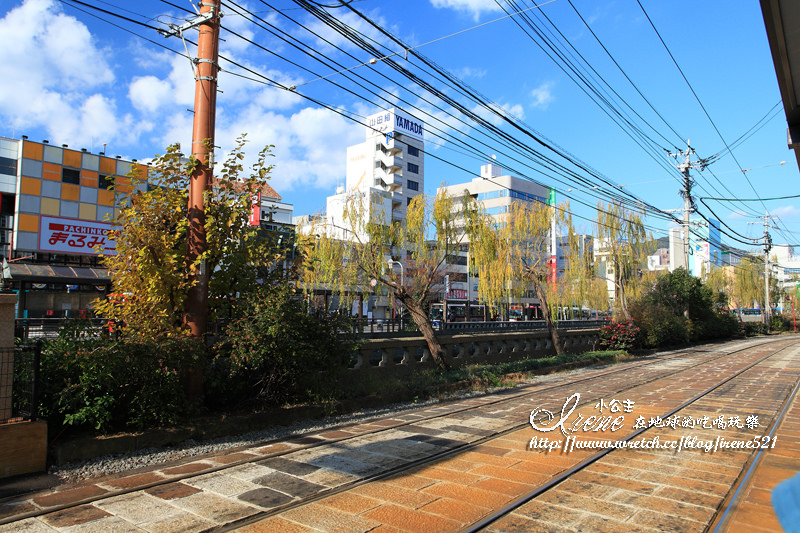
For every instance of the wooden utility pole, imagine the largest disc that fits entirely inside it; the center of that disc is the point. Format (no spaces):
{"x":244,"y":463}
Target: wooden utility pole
{"x":205,"y":101}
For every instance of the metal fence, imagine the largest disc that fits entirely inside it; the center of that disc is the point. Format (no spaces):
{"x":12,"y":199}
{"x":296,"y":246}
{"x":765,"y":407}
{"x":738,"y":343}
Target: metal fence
{"x":47,"y":328}
{"x":19,"y":382}
{"x":389,"y":328}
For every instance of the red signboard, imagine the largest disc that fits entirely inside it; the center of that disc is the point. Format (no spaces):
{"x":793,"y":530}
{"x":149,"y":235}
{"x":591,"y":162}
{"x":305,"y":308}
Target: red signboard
{"x":255,"y":210}
{"x":73,"y":236}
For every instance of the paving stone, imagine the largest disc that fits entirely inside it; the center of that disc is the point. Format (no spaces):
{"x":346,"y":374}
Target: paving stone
{"x":305,"y":440}
{"x":329,"y":519}
{"x":29,"y":525}
{"x":172,"y":491}
{"x":330,"y":478}
{"x":288,"y":484}
{"x":138,"y":480}
{"x":339,"y":434}
{"x":183,"y":522}
{"x":136,"y":507}
{"x":214,"y":508}
{"x":274,"y":448}
{"x":548,"y":512}
{"x":463,"y":512}
{"x":234,"y":457}
{"x":276,"y":524}
{"x":189,"y":468}
{"x":16,"y":508}
{"x":104,"y":525}
{"x":478,"y":432}
{"x":344,"y":464}
{"x":248,"y":472}
{"x":392,"y":493}
{"x":69,"y":496}
{"x":75,"y":516}
{"x":266,"y":498}
{"x":221,"y":483}
{"x":288,"y":466}
{"x":665,"y":521}
{"x":409,"y":519}
{"x":607,"y":525}
{"x":351,"y":502}
{"x":467,"y":494}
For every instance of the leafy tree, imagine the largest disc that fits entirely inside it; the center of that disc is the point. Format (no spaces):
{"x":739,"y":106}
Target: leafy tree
{"x":748,"y":284}
{"x":623,"y":244}
{"x":513,"y":254}
{"x":345,"y":260}
{"x":580,"y":285}
{"x":679,"y":291}
{"x":149,"y":273}
{"x":283,"y":351}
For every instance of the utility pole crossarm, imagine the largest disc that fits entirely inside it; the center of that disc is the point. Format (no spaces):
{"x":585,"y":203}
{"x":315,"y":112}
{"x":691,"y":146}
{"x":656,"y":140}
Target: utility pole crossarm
{"x":688,"y":204}
{"x":765,"y":220}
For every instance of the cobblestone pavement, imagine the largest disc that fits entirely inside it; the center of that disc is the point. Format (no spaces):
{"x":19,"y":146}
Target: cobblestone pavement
{"x":376,"y":476}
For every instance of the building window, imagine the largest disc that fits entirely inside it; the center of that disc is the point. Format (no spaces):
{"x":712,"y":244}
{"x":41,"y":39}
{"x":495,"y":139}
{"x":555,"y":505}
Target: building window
{"x":414,"y":169}
{"x":70,"y":175}
{"x":408,"y":201}
{"x":413,"y":185}
{"x":8,"y":166}
{"x":413,"y":150}
{"x":106,"y":182}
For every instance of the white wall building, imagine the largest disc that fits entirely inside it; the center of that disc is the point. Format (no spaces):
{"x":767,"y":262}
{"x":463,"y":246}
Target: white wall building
{"x":391,"y":159}
{"x":496,"y":192}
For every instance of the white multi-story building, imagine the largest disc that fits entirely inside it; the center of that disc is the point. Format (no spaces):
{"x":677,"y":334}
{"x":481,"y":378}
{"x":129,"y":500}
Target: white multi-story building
{"x":388,"y":168}
{"x":497,"y":193}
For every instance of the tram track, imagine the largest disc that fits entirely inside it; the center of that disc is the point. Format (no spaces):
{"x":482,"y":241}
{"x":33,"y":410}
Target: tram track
{"x":312,"y":442}
{"x":484,"y":523}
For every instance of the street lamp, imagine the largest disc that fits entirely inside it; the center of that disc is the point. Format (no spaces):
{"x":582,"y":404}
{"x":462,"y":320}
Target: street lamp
{"x":391,"y":263}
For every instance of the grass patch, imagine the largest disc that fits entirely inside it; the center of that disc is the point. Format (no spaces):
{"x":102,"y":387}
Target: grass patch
{"x":506,"y":374}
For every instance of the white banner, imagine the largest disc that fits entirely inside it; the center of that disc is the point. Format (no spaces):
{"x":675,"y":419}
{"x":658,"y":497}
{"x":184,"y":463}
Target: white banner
{"x":73,"y":236}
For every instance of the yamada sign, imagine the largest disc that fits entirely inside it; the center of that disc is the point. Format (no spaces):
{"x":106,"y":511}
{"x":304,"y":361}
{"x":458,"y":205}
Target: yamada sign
{"x":72,"y":236}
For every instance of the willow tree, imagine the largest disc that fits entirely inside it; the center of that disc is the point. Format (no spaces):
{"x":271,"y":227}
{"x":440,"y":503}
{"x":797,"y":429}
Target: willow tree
{"x":580,"y":283}
{"x":358,"y":257}
{"x":512,"y":253}
{"x":150,"y":277}
{"x":748,"y":283}
{"x":622,"y":244}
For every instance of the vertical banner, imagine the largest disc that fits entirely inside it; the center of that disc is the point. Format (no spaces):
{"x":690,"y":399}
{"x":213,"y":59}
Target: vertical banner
{"x":255,"y":210}
{"x":553,"y":238}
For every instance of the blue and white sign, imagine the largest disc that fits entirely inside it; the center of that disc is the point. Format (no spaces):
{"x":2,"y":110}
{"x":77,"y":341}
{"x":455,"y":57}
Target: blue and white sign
{"x":394,"y":121}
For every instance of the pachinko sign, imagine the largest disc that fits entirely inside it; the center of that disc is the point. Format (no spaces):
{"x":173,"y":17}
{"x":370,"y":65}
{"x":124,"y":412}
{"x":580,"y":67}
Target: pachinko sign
{"x":72,"y":236}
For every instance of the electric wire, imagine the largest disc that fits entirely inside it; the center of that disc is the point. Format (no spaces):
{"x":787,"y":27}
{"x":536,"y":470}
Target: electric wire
{"x":273,"y":82}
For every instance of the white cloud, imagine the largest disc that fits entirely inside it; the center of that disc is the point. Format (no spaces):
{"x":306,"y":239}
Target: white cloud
{"x":51,"y":67}
{"x":497,"y":111}
{"x":543,"y":95}
{"x":148,"y":93}
{"x":330,"y":37}
{"x":473,"y":7}
{"x":787,"y":211}
{"x":470,"y":72}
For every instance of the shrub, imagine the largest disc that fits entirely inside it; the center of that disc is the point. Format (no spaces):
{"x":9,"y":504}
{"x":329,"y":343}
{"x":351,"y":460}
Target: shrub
{"x":284,"y":351}
{"x":108,"y":384}
{"x":619,"y":335}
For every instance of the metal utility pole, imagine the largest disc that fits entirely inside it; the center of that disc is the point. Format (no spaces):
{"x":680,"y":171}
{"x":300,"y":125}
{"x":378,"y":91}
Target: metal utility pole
{"x":688,"y":205}
{"x":205,"y":100}
{"x":767,"y":247}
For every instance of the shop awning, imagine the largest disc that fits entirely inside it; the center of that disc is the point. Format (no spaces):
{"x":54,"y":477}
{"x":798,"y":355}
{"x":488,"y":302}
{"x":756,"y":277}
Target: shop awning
{"x":37,"y":273}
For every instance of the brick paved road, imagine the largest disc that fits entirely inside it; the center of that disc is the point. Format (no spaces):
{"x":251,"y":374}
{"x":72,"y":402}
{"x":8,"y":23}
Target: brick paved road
{"x":489,"y":464}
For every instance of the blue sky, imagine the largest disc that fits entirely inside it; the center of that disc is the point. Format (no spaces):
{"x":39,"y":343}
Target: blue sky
{"x":73,"y":78}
